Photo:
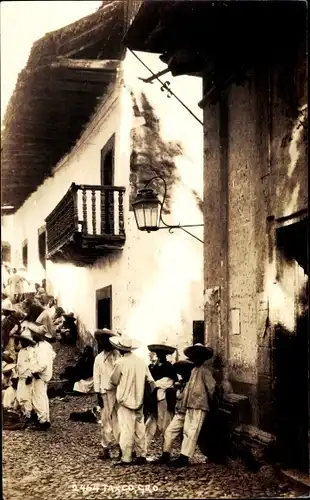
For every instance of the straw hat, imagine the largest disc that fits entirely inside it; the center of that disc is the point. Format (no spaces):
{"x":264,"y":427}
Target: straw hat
{"x":166,"y":349}
{"x":124,"y":344}
{"x":7,"y":306}
{"x":7,"y":357}
{"x":104,"y":332}
{"x":25,"y":335}
{"x":69,"y":316}
{"x":7,"y":367}
{"x":45,"y":334}
{"x":200,"y":350}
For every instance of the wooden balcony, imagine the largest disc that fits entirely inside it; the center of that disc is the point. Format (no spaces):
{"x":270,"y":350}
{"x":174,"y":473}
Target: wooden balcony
{"x":87,"y":224}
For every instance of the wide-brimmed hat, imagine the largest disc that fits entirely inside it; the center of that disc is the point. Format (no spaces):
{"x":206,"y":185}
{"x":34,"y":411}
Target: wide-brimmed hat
{"x":124,"y":344}
{"x":25,"y":335}
{"x":59,"y":310}
{"x":166,"y":349}
{"x":7,"y":306}
{"x":7,"y":357}
{"x":45,"y":334}
{"x":7,"y":367}
{"x":198,"y":349}
{"x":183,"y":366}
{"x":104,"y":333}
{"x":69,"y":317}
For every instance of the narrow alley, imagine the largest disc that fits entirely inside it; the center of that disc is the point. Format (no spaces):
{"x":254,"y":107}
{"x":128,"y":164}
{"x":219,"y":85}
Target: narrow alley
{"x":62,"y":463}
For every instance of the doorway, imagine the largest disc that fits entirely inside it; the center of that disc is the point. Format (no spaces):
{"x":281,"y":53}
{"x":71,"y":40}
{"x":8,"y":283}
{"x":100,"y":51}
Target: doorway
{"x":104,"y":307}
{"x":107,"y":179}
{"x":290,"y":358}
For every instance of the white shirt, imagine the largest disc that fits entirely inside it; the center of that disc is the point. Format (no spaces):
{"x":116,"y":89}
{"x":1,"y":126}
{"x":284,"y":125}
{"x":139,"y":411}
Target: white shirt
{"x":103,"y":367}
{"x":25,"y":362}
{"x":129,"y":376}
{"x":44,"y":357}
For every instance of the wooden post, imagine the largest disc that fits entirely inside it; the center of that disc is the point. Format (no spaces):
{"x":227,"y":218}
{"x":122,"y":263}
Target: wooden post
{"x":93,"y":206}
{"x":121,"y":212}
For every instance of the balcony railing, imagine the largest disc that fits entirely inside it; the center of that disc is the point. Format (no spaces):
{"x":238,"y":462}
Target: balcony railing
{"x":89,"y":216}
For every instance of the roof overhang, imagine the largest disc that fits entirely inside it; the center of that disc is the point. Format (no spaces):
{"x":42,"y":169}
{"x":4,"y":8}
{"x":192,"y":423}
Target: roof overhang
{"x":215,"y":27}
{"x":67,"y":76}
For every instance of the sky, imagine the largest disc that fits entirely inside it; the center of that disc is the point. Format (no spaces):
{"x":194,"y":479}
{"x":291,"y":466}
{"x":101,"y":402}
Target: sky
{"x":24,"y":22}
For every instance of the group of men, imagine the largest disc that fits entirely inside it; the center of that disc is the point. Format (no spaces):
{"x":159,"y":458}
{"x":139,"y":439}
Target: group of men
{"x":138,"y":401}
{"x":125,"y":384}
{"x":27,"y":378}
{"x":28,"y":330}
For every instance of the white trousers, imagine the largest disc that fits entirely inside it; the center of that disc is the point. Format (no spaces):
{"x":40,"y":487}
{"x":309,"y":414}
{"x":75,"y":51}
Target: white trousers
{"x":173,"y":430}
{"x":109,"y":421}
{"x":9,"y":399}
{"x":132,"y":432}
{"x":164,"y":417}
{"x":40,"y":400}
{"x":24,"y":396}
{"x":192,"y":426}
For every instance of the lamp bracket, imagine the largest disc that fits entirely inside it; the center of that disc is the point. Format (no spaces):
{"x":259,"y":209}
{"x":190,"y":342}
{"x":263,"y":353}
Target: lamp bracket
{"x":169,"y":226}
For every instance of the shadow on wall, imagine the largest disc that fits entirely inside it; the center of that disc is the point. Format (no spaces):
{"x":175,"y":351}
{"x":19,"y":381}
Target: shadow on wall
{"x":150,"y":154}
{"x":289,"y":130}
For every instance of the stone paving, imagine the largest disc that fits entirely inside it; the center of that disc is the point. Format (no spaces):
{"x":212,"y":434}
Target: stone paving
{"x":62,"y":464}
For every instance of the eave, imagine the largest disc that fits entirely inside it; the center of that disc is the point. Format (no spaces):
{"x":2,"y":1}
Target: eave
{"x":216,"y":29}
{"x":67,"y":76}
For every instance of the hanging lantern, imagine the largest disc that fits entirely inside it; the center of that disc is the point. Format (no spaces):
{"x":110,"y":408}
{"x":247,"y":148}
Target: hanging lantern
{"x":147,"y":210}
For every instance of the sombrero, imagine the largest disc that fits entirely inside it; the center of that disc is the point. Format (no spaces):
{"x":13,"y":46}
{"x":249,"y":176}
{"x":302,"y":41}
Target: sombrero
{"x":7,"y":367}
{"x":7,"y":357}
{"x":25,"y":335}
{"x":37,"y":324}
{"x":7,"y":306}
{"x":200,"y":349}
{"x":100,"y":333}
{"x":167,"y":349}
{"x":184,"y":365}
{"x":124,"y":343}
{"x":69,"y":316}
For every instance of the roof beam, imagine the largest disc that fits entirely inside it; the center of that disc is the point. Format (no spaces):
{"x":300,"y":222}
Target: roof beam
{"x":110,"y":65}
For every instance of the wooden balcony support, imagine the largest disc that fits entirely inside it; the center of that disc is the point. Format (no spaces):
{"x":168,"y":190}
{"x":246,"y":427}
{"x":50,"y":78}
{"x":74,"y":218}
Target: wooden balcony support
{"x":87,"y":223}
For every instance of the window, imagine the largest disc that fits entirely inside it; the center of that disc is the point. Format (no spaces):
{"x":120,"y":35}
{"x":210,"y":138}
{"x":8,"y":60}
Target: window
{"x":42,"y":246}
{"x":5,"y":251}
{"x":198,"y":332}
{"x":104,"y":307}
{"x":107,"y":162}
{"x":25,"y":253}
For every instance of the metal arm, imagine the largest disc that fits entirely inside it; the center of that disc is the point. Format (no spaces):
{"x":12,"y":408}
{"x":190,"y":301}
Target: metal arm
{"x":168,"y":226}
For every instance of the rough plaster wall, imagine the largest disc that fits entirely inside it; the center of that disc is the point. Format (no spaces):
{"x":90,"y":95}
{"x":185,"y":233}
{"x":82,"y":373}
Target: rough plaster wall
{"x":243,"y":161}
{"x":157,"y":284}
{"x":265,"y":159}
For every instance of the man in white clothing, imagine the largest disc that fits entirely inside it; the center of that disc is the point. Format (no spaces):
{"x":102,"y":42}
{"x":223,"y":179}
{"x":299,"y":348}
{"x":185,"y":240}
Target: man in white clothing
{"x":129,"y":376}
{"x":24,"y":368}
{"x":42,"y":373}
{"x":103,"y":367}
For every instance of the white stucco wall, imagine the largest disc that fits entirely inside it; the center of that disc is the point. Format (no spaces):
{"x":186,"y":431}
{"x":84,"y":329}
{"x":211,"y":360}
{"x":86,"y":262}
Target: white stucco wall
{"x":157,"y":282}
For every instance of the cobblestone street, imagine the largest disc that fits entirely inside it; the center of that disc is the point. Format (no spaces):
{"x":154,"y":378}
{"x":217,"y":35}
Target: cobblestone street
{"x":62,"y":464}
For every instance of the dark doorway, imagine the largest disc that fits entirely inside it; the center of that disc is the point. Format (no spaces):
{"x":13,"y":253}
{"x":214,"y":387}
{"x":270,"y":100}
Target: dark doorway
{"x":25,"y":253}
{"x":42,"y":246}
{"x":290,"y":357}
{"x":107,"y":179}
{"x":5,"y":252}
{"x":198,"y":332}
{"x":104,"y":307}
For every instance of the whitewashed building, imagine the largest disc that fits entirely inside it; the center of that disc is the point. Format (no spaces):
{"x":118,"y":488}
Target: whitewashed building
{"x":82,"y":134}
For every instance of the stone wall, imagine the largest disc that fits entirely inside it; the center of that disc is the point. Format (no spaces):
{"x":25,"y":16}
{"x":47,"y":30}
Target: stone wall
{"x":255,"y":174}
